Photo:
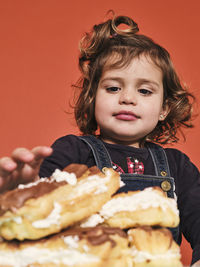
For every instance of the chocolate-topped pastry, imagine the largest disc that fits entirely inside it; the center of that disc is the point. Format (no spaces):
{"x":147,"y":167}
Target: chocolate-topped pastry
{"x":76,"y":247}
{"x":14,"y":199}
{"x":153,"y":248}
{"x":49,"y":205}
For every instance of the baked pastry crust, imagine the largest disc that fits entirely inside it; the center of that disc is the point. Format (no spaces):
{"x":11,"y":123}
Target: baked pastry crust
{"x":150,"y":206}
{"x":76,"y":247}
{"x":49,"y":205}
{"x":153,"y":247}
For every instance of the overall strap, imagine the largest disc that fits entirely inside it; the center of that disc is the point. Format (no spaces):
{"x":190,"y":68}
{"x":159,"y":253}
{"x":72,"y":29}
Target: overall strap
{"x":101,"y":155}
{"x":159,"y":158}
{"x":103,"y":159}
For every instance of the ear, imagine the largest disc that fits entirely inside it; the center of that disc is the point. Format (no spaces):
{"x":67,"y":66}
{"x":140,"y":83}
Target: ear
{"x":164,"y":112}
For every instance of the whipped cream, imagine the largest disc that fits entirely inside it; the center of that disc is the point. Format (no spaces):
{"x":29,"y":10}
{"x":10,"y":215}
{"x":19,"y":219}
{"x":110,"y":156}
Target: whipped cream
{"x":17,"y":219}
{"x":92,"y":221}
{"x":53,"y":218}
{"x":141,"y":256}
{"x":141,"y":200}
{"x":60,"y":176}
{"x":71,"y":241}
{"x":57,"y":176}
{"x":22,"y":186}
{"x":27,"y":256}
{"x":93,"y":184}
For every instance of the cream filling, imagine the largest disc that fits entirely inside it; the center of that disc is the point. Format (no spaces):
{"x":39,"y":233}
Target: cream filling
{"x":60,"y":176}
{"x":53,"y":218}
{"x":86,"y":185}
{"x":23,"y":186}
{"x":24,"y":257}
{"x":141,"y":200}
{"x":71,"y":241}
{"x":93,"y":183}
{"x":17,"y":219}
{"x":92,"y":221}
{"x":57,"y":176}
{"x":142,"y":256}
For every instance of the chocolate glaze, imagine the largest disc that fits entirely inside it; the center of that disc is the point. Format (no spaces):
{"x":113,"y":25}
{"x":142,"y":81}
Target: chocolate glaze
{"x":15,"y":199}
{"x":94,"y":235}
{"x":78,"y":169}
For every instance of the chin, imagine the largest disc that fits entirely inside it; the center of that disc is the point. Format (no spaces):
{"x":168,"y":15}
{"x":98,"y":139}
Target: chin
{"x":124,"y":140}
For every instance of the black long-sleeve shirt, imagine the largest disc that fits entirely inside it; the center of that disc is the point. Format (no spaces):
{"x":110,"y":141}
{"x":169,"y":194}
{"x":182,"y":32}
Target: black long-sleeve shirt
{"x":70,"y":149}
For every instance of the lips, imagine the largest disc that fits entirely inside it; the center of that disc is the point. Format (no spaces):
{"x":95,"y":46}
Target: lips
{"x":126,"y":116}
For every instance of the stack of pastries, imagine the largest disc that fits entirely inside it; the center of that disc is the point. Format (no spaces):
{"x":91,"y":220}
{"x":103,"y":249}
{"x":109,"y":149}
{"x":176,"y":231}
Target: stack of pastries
{"x":75,"y":219}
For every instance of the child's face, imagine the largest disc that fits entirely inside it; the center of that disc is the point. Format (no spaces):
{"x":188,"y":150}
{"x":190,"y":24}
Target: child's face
{"x":129,"y":102}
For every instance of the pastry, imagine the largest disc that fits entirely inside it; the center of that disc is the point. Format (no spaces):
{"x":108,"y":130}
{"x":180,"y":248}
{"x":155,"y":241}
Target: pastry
{"x":38,"y":209}
{"x":150,"y":206}
{"x":75,"y":247}
{"x":153,"y":248}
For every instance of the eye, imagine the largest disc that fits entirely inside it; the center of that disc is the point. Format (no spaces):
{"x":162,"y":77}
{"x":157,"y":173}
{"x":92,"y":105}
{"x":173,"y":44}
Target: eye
{"x":113,"y":89}
{"x":145,"y":91}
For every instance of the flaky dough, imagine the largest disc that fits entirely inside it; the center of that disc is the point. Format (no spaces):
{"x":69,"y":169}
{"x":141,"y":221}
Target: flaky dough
{"x":147,"y":207}
{"x":153,"y":247}
{"x":60,"y":208}
{"x":76,"y":247}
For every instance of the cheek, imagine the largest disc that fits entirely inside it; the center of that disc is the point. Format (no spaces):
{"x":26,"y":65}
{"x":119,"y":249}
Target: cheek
{"x":98,"y":102}
{"x":152,"y":113}
{"x":154,"y":107}
{"x":103,"y":103}
{"x":98,"y":108}
{"x":101,"y":109}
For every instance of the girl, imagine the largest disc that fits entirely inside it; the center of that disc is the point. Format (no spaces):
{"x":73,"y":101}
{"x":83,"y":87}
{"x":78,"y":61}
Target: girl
{"x":130,"y":99}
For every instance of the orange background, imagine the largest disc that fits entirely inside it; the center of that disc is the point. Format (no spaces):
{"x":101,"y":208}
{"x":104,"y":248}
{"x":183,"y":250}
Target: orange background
{"x":38,"y":62}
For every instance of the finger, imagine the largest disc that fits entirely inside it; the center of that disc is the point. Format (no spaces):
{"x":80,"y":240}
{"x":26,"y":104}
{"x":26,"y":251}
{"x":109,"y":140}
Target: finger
{"x":22,"y":155}
{"x":7,"y":165}
{"x":40,"y":153}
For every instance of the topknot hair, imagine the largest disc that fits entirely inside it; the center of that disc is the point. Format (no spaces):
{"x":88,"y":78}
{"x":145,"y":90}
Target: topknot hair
{"x":94,"y":42}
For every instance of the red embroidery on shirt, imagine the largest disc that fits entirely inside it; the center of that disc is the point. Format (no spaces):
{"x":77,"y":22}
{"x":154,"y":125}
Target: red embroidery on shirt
{"x":135,"y":166}
{"x":117,"y":168}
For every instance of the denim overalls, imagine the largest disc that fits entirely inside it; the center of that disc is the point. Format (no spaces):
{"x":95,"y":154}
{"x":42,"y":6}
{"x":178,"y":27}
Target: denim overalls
{"x":134,"y":182}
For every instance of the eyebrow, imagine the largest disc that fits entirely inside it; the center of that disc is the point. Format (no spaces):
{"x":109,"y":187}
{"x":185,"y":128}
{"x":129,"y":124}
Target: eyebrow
{"x":118,"y":79}
{"x":139,"y":80}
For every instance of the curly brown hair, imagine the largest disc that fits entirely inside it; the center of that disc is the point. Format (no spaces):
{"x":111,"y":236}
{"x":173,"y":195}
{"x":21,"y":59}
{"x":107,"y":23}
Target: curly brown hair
{"x":108,"y":39}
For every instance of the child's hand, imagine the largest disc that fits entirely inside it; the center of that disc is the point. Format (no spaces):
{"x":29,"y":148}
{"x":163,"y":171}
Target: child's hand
{"x":22,"y":167}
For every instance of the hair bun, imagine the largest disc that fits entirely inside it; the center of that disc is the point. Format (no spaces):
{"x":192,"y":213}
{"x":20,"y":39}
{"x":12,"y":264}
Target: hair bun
{"x":95,"y":41}
{"x":131,"y":29}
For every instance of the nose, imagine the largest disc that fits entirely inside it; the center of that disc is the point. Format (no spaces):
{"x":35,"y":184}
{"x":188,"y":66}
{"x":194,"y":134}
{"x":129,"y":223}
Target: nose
{"x":128,"y":97}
